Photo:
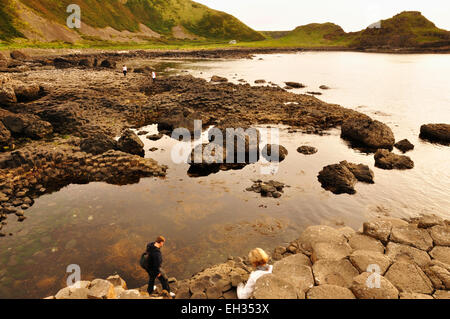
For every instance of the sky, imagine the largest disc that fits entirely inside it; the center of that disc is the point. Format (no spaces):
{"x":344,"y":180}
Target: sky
{"x":351,"y":15}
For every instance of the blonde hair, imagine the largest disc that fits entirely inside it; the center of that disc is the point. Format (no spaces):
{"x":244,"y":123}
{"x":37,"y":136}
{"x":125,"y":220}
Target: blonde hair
{"x":160,"y":239}
{"x":258,"y":257}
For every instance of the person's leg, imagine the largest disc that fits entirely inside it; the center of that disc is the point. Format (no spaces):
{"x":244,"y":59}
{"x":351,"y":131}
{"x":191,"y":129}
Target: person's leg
{"x":164,"y":281}
{"x":151,"y":283}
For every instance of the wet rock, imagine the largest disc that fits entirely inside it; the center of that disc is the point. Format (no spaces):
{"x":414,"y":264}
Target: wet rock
{"x":404,"y":145}
{"x":324,"y":87}
{"x":142,"y":133}
{"x":319,"y":234}
{"x":130,"y":143}
{"x":370,"y":133}
{"x":7,"y":94}
{"x":362,"y":172}
{"x":407,"y":277}
{"x":314,"y":93}
{"x":441,"y":254}
{"x":260,"y":81}
{"x":338,"y":179}
{"x":273,"y":287}
{"x":412,"y":236}
{"x":267,"y":189}
{"x":295,"y":85}
{"x":387,"y":160}
{"x":153,"y":149}
{"x":439,"y":133}
{"x":19,"y":55}
{"x":362,"y":290}
{"x":360,"y":241}
{"x":218,"y":79}
{"x":98,"y":144}
{"x":155,"y":137}
{"x":329,"y":292}
{"x":293,"y":270}
{"x":362,"y":259}
{"x":101,"y":289}
{"x":403,"y":253}
{"x":307,"y":150}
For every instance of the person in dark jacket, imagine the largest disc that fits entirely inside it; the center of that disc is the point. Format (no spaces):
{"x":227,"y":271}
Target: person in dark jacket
{"x":154,"y":266}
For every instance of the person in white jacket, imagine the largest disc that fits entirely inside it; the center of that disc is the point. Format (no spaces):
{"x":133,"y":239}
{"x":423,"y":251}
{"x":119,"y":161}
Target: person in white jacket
{"x":259,"y":260}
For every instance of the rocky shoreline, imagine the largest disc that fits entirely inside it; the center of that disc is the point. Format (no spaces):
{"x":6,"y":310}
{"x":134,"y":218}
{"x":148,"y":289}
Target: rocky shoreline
{"x":409,"y":259}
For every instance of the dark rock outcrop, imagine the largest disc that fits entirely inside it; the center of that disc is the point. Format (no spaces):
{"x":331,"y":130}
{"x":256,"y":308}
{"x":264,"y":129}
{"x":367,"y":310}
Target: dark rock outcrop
{"x":98,"y":144}
{"x":362,"y":172}
{"x":267,"y":189}
{"x":387,"y":160}
{"x":404,"y":145}
{"x":27,"y":125}
{"x":19,"y":55}
{"x":274,"y":153}
{"x":307,"y":150}
{"x":110,"y":64}
{"x":5,"y":135}
{"x":130,"y":143}
{"x":295,"y":85}
{"x":338,"y":179}
{"x":439,"y":133}
{"x":370,"y":133}
{"x":7,"y":94}
{"x":218,"y":79}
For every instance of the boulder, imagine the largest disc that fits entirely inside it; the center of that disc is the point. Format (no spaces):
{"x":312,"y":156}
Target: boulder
{"x":439,"y":133}
{"x":7,"y":94}
{"x":324,"y":87}
{"x":3,"y":61}
{"x":27,"y":124}
{"x":362,"y":172}
{"x":273,"y":287}
{"x":414,"y":295}
{"x":101,"y":289}
{"x":293,"y":270}
{"x":260,"y":81}
{"x":363,"y":287}
{"x":307,"y":150}
{"x":155,"y":137}
{"x":98,"y":144}
{"x":274,"y":153}
{"x":338,"y":179}
{"x":441,"y":254}
{"x":130,"y":294}
{"x":334,"y":272}
{"x":130,"y":143}
{"x":380,"y":228}
{"x":329,"y":292}
{"x":110,"y":64}
{"x":330,"y":251}
{"x":117,"y":281}
{"x":362,"y":259}
{"x":218,"y":79}
{"x":78,"y":293}
{"x":26,"y":92}
{"x":403,"y":253}
{"x":439,"y":274}
{"x":412,"y":236}
{"x":19,"y":55}
{"x":295,"y":85}
{"x":319,"y":234}
{"x":370,"y":133}
{"x":440,"y":235}
{"x":360,"y":241}
{"x":408,"y":277}
{"x":404,"y":145}
{"x":387,"y":160}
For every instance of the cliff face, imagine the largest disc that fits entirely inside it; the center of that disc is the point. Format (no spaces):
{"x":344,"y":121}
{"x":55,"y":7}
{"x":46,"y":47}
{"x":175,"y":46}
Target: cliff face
{"x":119,"y":20}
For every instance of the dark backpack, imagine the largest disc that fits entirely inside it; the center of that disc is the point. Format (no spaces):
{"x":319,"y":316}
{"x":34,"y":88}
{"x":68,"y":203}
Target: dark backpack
{"x":144,"y":262}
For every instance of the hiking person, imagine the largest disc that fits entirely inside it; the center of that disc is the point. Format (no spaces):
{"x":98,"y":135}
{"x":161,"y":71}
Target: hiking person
{"x":154,"y":76}
{"x":258,"y":258}
{"x":154,"y":266}
{"x":125,"y":70}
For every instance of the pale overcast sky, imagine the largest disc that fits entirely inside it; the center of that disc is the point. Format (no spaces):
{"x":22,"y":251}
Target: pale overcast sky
{"x":351,"y":15}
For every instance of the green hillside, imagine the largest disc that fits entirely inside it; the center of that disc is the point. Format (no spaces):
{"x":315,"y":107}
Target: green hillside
{"x":8,"y":27}
{"x":159,"y":15}
{"x":407,"y":29}
{"x":316,"y":34}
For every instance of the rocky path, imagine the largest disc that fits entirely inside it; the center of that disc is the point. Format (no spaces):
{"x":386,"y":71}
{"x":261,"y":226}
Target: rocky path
{"x":389,"y":258}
